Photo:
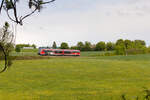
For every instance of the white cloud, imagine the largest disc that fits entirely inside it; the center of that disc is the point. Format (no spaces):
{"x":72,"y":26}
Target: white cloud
{"x":107,"y":22}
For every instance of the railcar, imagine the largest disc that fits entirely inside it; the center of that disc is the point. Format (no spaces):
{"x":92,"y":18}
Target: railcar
{"x":59,"y":52}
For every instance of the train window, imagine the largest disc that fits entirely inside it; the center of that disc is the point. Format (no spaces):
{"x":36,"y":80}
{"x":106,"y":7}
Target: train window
{"x":45,"y":51}
{"x":75,"y":51}
{"x":67,"y":52}
{"x":58,"y":51}
{"x":49,"y":51}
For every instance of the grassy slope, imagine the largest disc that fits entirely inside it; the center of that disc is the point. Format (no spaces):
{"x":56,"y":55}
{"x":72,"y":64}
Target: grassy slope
{"x":85,"y":78}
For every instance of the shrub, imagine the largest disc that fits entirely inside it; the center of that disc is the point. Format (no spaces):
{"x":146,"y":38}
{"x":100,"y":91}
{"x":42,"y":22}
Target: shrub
{"x":110,"y":54}
{"x":148,"y":49}
{"x":100,"y":46}
{"x":64,"y":45}
{"x":17,"y":49}
{"x":120,"y":50}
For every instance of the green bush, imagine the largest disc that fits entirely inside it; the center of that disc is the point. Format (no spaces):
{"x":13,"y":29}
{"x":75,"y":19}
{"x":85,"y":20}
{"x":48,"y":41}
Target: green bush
{"x":110,"y":54}
{"x":64,"y":45}
{"x":120,"y":50}
{"x":148,"y":49}
{"x":17,"y":49}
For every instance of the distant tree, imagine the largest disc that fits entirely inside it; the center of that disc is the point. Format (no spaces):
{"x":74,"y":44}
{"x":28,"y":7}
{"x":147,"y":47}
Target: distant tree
{"x":142,"y":42}
{"x":26,"y":45}
{"x":120,"y":42}
{"x":34,"y":46}
{"x":74,"y":47}
{"x":139,"y":43}
{"x":80,"y":46}
{"x":6,"y":45}
{"x":17,"y":49}
{"x":128,"y":44}
{"x":87,"y":46}
{"x":120,"y":50}
{"x":64,"y":45}
{"x":100,"y":46}
{"x":120,"y":47}
{"x":125,"y":47}
{"x":54,"y":46}
{"x":110,"y":46}
{"x":93,"y":47}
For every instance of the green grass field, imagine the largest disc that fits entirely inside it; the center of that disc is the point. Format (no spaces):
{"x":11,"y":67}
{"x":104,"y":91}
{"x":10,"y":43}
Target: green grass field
{"x":76,"y":78}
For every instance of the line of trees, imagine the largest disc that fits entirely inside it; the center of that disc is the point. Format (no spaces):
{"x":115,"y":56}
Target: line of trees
{"x":87,"y":46}
{"x":121,"y":47}
{"x":26,"y":45}
{"x":21,"y":46}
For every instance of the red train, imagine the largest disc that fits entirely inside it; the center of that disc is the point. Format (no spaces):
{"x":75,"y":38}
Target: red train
{"x":59,"y":52}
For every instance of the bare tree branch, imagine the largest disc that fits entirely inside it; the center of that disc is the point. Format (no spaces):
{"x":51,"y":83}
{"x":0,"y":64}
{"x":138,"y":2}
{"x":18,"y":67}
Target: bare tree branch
{"x":9,"y":16}
{"x":28,"y":15}
{"x":12,"y":5}
{"x":15,"y":11}
{"x":48,"y":2}
{"x":1,"y":6}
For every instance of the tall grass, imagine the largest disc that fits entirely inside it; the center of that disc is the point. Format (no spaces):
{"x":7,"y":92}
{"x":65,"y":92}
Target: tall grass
{"x":79,"y":78}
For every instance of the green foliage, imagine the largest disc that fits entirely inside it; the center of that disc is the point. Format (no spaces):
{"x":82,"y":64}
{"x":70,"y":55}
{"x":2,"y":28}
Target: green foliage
{"x":137,"y":51}
{"x":54,"y":46}
{"x":87,"y":46}
{"x":110,"y":46}
{"x":6,"y":38}
{"x":8,"y":4}
{"x":120,"y":49}
{"x":128,"y":44}
{"x":6,"y":25}
{"x":109,"y":54}
{"x":139,"y":43}
{"x":17,"y":49}
{"x":100,"y":46}
{"x":30,"y":50}
{"x":125,"y":47}
{"x":80,"y":46}
{"x":64,"y":45}
{"x":25,"y":45}
{"x":74,"y":47}
{"x":148,"y":49}
{"x":120,"y":42}
{"x":34,"y":46}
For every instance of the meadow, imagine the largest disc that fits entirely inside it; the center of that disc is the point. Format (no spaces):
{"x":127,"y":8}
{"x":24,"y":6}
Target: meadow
{"x":77,"y":78}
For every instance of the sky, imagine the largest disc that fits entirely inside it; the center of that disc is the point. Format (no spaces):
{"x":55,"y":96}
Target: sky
{"x":72,"y":21}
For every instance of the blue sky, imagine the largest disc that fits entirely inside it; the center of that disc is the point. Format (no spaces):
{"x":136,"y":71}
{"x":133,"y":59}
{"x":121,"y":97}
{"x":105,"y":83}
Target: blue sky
{"x":87,"y":20}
